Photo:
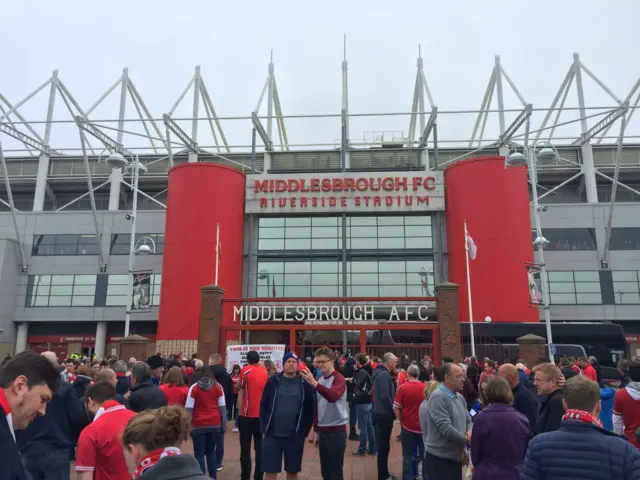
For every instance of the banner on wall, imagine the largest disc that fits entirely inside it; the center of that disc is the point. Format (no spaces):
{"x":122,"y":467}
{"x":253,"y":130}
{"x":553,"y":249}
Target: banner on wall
{"x":535,"y":290}
{"x":141,"y":299}
{"x":237,"y":355}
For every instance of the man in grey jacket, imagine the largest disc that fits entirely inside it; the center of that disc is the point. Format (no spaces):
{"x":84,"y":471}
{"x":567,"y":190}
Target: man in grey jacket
{"x":383,"y":415}
{"x":448,"y":426}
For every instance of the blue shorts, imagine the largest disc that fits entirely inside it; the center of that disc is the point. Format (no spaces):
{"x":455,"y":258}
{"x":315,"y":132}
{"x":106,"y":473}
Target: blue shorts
{"x":274,"y":448}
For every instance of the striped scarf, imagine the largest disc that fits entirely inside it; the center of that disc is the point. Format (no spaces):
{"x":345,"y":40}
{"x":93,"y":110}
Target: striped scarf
{"x":582,"y":416}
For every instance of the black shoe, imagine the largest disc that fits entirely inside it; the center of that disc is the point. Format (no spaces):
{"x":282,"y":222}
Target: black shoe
{"x":353,"y":436}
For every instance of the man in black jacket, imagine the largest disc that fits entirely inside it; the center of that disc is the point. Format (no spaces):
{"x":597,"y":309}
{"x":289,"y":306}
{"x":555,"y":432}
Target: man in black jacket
{"x":523,"y":400}
{"x":362,"y":401}
{"x":383,"y":415}
{"x":349,"y":373}
{"x":124,"y":382}
{"x":547,"y":378}
{"x":144,"y":395}
{"x":27,"y":384}
{"x":46,"y":444}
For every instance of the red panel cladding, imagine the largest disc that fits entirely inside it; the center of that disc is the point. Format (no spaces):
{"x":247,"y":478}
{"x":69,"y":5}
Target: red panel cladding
{"x":494,"y":201}
{"x":200,"y":196}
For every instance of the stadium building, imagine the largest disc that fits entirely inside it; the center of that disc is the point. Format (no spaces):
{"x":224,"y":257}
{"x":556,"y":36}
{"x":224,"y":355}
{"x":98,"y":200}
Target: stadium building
{"x":314,"y":230}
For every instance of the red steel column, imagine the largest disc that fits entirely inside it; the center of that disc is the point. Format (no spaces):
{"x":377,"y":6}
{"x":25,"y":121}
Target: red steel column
{"x":201,"y":196}
{"x":494,"y":201}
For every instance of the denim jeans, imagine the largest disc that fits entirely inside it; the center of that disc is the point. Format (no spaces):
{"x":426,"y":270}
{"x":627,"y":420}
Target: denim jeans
{"x":366,"y":428}
{"x":49,"y":466}
{"x":204,"y":449}
{"x":410,"y":441}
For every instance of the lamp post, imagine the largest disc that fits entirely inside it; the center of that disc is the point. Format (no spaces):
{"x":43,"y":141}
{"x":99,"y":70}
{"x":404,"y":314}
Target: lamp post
{"x":544,"y":153}
{"x":135,"y":168}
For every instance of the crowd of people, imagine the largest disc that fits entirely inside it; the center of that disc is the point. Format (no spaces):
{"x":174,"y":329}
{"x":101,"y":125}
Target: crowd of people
{"x":129,"y":419}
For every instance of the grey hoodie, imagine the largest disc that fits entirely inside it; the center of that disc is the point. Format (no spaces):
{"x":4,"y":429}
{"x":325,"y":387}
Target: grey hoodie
{"x":181,"y":467}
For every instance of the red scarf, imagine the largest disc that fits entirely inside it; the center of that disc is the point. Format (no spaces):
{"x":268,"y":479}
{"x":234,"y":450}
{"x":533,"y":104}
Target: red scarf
{"x":154,"y":457}
{"x":4,"y":403}
{"x":582,"y":416}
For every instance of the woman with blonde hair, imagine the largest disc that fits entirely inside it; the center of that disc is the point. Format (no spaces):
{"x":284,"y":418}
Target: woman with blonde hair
{"x":270,"y":367}
{"x":174,"y":387}
{"x":152,"y":441}
{"x":429,"y":387}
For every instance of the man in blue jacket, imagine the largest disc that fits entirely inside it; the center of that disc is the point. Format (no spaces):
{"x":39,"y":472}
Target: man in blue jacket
{"x":581,"y":449}
{"x":286,"y":417}
{"x":27,"y":384}
{"x":46,"y":445}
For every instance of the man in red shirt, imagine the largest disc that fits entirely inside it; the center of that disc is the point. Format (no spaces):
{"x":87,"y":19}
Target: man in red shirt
{"x":588,"y":371}
{"x":406,"y":407}
{"x":626,"y":406}
{"x":253,"y":378}
{"x":99,"y":455}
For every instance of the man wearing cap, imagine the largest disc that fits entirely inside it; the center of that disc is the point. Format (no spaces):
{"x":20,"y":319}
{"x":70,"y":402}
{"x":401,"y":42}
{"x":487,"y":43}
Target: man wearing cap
{"x":286,"y":417}
{"x":156,"y":364}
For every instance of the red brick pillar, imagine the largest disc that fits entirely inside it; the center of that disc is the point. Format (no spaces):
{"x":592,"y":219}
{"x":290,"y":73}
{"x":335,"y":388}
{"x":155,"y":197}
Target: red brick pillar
{"x":210,"y":321}
{"x":134,"y":346}
{"x":447,"y":311}
{"x":530,"y":348}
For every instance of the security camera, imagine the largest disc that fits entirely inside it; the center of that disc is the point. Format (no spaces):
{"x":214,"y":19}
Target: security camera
{"x":542,"y":208}
{"x":128,"y":216}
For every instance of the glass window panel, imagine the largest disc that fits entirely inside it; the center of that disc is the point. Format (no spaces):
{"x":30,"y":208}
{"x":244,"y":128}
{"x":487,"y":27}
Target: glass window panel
{"x":390,"y":231}
{"x":370,"y":243}
{"x":270,"y":244}
{"x":271,"y":267}
{"x":155,"y":300}
{"x":44,"y":250}
{"x":588,"y":287}
{"x":85,"y":280}
{"x":364,"y":231}
{"x":324,"y":232}
{"x":83,"y":290}
{"x":89,"y":249}
{"x":61,"y":301}
{"x":418,"y":220}
{"x":121,"y":238}
{"x":66,"y":249}
{"x":297,"y":267}
{"x":297,"y":244}
{"x":416,"y":290}
{"x":417,"y":242}
{"x":116,"y":300}
{"x":325,"y":244}
{"x":417,"y":231}
{"x":42,"y":280}
{"x":625,"y":238}
{"x":625,"y":287}
{"x":560,"y":276}
{"x":363,"y":291}
{"x":625,"y":276}
{"x":393,"y":290}
{"x":82,"y":301}
{"x":627,"y":298}
{"x":360,"y":267}
{"x":87,"y":239}
{"x":271,"y":222}
{"x":66,"y":239}
{"x":61,"y":290}
{"x":156,"y":279}
{"x":356,"y":221}
{"x":61,"y":279}
{"x":415,"y":266}
{"x":391,"y":243}
{"x":325,"y":267}
{"x":297,"y":232}
{"x":323,"y":279}
{"x":364,"y":279}
{"x":118,"y":280}
{"x":394,"y":266}
{"x":563,"y":298}
{"x":393,"y":278}
{"x":384,"y":221}
{"x":561,"y":287}
{"x":297,"y":291}
{"x":118,"y":290}
{"x":586,"y":276}
{"x":41,"y":301}
{"x":325,"y":291}
{"x":297,"y":279}
{"x":324,"y":221}
{"x":262,"y":291}
{"x":45,"y":239}
{"x":298,"y":222}
{"x":42,"y":290}
{"x":271,"y":233}
{"x":589,"y":298}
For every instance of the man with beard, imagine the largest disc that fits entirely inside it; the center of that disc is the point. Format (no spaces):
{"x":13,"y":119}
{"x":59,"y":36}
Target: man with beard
{"x":27,"y":384}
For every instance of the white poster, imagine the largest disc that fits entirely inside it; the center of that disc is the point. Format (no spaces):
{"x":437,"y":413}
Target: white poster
{"x":237,"y":355}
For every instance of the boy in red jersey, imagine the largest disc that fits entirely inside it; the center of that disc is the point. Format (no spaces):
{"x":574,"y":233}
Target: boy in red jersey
{"x":99,"y":455}
{"x":253,"y":378}
{"x":626,"y":406}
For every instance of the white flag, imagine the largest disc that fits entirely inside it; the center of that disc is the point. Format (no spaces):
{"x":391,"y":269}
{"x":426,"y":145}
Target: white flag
{"x":471,"y":246}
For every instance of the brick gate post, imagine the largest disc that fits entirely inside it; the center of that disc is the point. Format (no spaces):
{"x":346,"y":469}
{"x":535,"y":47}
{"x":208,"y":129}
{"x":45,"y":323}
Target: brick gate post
{"x":210,"y":321}
{"x":530,"y":348}
{"x":448,"y":314}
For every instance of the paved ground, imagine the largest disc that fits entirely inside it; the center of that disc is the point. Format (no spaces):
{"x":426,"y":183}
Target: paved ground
{"x":355,"y":468}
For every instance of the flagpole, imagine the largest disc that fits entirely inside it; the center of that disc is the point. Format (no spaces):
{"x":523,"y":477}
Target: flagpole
{"x":466,"y":247}
{"x":217,"y":253}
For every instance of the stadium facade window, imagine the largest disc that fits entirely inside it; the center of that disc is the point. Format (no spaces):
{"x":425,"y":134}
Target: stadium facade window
{"x":61,"y":290}
{"x":562,"y":239}
{"x":625,"y":238}
{"x":626,"y":286}
{"x":574,"y":288}
{"x":50,"y":245}
{"x":120,"y":242}
{"x":118,"y":288}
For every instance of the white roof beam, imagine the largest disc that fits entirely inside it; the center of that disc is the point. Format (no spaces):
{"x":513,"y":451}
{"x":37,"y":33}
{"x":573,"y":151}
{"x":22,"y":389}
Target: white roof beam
{"x":601,"y":125}
{"x":191,"y":145}
{"x":511,"y":130}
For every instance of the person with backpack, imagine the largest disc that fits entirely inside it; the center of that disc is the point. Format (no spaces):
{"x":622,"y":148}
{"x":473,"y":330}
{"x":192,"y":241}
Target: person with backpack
{"x":362,"y":401}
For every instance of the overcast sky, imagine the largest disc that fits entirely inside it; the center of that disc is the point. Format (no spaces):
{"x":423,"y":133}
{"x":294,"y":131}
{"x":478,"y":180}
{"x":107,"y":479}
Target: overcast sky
{"x":162,"y":41}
